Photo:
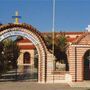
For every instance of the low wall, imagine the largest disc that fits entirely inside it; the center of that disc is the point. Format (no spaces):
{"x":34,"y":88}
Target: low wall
{"x":56,"y":76}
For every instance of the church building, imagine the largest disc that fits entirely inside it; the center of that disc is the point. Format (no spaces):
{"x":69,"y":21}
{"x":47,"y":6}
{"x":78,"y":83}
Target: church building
{"x":27,"y":51}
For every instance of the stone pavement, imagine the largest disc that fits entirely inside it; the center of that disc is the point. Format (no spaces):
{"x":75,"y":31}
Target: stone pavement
{"x":85,"y":84}
{"x":36,"y":86}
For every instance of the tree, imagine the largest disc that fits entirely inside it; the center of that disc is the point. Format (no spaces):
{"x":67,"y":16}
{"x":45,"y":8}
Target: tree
{"x":48,"y":41}
{"x":1,"y":58}
{"x":60,"y":47}
{"x":11,"y":53}
{"x":18,"y":38}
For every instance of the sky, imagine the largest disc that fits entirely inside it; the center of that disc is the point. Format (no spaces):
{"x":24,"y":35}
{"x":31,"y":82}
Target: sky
{"x":70,"y":15}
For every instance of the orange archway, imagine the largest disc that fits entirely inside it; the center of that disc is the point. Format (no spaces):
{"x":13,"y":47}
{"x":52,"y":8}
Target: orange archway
{"x":33,"y":35}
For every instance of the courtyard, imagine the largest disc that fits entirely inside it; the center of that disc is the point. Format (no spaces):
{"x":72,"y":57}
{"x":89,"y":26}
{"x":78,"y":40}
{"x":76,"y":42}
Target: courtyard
{"x":26,"y":85}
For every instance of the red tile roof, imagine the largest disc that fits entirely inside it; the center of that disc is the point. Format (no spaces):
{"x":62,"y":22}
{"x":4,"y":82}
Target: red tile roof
{"x":27,"y":47}
{"x":71,"y":39}
{"x":24,"y":41}
{"x":63,"y":32}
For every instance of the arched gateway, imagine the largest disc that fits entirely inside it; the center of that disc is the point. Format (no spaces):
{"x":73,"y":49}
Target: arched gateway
{"x":33,"y":35}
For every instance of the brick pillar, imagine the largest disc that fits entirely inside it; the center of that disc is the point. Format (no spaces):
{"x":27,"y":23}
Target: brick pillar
{"x":80,"y":68}
{"x":72,"y":62}
{"x":49,"y":76}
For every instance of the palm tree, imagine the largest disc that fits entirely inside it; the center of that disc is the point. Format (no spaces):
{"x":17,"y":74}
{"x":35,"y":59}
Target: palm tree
{"x":60,"y":47}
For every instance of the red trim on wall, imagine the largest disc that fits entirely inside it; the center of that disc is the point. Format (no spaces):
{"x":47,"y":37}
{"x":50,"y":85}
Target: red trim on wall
{"x":27,"y":47}
{"x":24,"y":41}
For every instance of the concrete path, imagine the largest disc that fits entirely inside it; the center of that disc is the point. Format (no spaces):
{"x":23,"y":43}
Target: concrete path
{"x":35,"y":86}
{"x":85,"y":84}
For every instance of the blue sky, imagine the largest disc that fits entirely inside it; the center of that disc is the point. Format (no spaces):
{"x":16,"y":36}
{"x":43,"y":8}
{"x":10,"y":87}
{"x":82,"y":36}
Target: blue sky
{"x":71,"y":15}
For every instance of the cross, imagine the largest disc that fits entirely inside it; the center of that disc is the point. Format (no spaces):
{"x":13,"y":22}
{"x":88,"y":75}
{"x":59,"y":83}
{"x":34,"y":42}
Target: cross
{"x":16,"y":17}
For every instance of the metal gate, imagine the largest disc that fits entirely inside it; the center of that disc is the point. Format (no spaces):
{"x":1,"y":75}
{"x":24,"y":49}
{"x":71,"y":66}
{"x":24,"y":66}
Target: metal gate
{"x":22,"y":73}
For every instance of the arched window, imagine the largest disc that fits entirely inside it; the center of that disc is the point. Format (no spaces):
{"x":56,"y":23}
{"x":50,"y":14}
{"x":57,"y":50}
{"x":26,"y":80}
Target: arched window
{"x":26,"y":58}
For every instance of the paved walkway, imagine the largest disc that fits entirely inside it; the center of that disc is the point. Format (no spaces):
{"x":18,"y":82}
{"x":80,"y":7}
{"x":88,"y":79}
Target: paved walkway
{"x":35,"y":86}
{"x":85,"y":84}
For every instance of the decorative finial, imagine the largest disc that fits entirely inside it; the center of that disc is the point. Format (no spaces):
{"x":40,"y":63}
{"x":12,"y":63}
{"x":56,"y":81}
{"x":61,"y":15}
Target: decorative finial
{"x":16,"y":17}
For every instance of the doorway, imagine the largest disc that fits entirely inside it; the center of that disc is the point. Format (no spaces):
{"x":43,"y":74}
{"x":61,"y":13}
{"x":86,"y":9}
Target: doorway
{"x":87,"y":65}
